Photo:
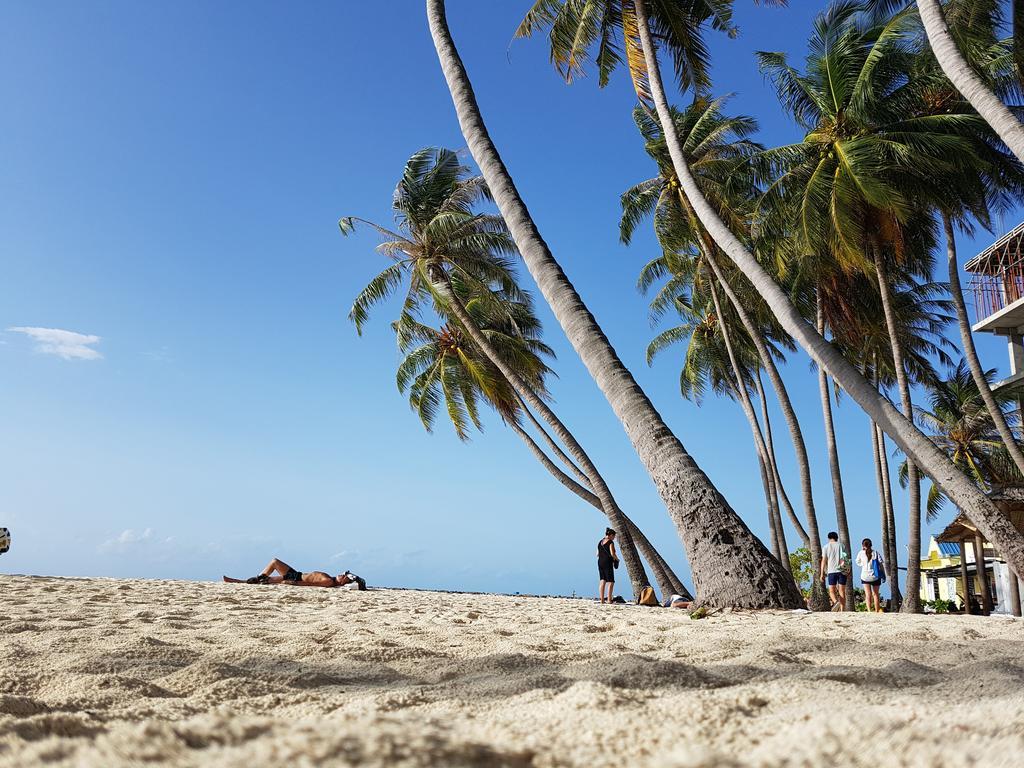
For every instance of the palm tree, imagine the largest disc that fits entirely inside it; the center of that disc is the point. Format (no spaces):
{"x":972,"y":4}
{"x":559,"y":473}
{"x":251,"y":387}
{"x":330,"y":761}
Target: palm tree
{"x":633,"y":24}
{"x":968,"y":81}
{"x":921,"y":314}
{"x":993,"y":181}
{"x":730,"y":565}
{"x":444,"y":244}
{"x":832,"y":446}
{"x":960,"y":424}
{"x":857,"y":178}
{"x":712,"y":360}
{"x":717,"y":148}
{"x":441,"y":365}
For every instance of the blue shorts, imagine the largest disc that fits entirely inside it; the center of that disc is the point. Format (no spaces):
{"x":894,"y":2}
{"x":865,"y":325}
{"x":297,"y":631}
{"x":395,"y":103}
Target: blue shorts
{"x":836,"y":578}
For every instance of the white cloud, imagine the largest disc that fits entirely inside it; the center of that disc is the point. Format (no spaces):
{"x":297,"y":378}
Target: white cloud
{"x":67,"y":345}
{"x":128,"y":539}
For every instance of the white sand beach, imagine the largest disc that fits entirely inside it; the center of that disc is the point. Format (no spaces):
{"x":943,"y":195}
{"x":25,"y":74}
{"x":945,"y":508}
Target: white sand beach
{"x":102,"y":672}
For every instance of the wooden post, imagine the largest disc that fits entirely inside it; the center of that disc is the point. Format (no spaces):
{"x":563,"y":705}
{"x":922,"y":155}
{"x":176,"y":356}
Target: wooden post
{"x":964,"y":577}
{"x":1014,"y":593}
{"x":979,"y":563}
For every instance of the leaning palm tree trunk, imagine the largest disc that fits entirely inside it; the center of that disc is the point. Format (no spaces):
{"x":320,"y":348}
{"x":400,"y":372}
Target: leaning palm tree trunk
{"x":441,"y":284}
{"x":668,"y":582}
{"x":971,"y":352}
{"x":966,"y":80}
{"x":730,"y":565}
{"x":774,"y":518}
{"x":914,"y":443}
{"x":883,"y":509}
{"x":770,"y":443}
{"x":556,"y":448}
{"x":890,"y":540}
{"x":838,"y":497}
{"x":912,"y":598}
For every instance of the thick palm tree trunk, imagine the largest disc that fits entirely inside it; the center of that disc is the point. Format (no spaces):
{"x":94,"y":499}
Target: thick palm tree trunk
{"x":780,"y":488}
{"x":964,"y":493}
{"x":634,"y":566}
{"x":971,"y":351}
{"x":912,"y":597}
{"x":730,"y":566}
{"x":838,"y":497}
{"x":668,"y":582}
{"x":967,"y":81}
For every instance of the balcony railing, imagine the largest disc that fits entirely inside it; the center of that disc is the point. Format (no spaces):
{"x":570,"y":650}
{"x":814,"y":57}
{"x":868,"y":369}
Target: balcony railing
{"x":997,"y":274}
{"x":993,"y":293}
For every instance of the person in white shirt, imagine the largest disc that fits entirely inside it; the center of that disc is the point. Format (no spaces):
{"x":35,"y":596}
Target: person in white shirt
{"x":833,"y":570}
{"x":871,"y":575}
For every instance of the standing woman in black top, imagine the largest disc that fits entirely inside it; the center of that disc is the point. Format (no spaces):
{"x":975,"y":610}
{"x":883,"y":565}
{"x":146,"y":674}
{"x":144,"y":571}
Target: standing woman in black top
{"x":607,"y":560}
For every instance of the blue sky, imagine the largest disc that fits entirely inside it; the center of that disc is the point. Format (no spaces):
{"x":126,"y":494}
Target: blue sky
{"x":172,"y":178}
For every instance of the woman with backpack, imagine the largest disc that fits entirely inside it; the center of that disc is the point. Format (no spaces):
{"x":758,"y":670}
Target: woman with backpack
{"x":607,"y":562}
{"x":872,"y":574}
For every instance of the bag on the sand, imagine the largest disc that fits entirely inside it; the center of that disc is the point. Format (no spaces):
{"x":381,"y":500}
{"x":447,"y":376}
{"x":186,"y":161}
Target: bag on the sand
{"x":619,"y":599}
{"x":647,"y":596}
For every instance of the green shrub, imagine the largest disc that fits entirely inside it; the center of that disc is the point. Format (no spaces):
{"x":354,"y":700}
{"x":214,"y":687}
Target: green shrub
{"x":941,"y":606}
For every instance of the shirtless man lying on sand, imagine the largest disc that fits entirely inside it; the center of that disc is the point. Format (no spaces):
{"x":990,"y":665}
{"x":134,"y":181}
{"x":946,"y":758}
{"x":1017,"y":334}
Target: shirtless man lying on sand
{"x":292,"y":578}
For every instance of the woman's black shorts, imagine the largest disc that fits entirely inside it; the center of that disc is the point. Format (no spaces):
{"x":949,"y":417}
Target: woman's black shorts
{"x":606,"y":570}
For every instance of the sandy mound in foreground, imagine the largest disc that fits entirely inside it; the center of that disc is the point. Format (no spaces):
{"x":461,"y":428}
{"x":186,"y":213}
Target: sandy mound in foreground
{"x":107,"y":673}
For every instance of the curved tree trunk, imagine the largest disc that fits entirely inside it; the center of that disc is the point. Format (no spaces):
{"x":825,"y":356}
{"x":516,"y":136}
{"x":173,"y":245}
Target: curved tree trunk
{"x":912,"y":597}
{"x":964,"y":493}
{"x":838,"y":497}
{"x":769,"y":501}
{"x":889,"y":549}
{"x":883,"y":510}
{"x":971,"y":352}
{"x":777,"y":528}
{"x":780,"y":488}
{"x":730,"y":566}
{"x":890,"y":541}
{"x":967,"y":81}
{"x":668,"y":582}
{"x":556,"y":448}
{"x":441,"y":284}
